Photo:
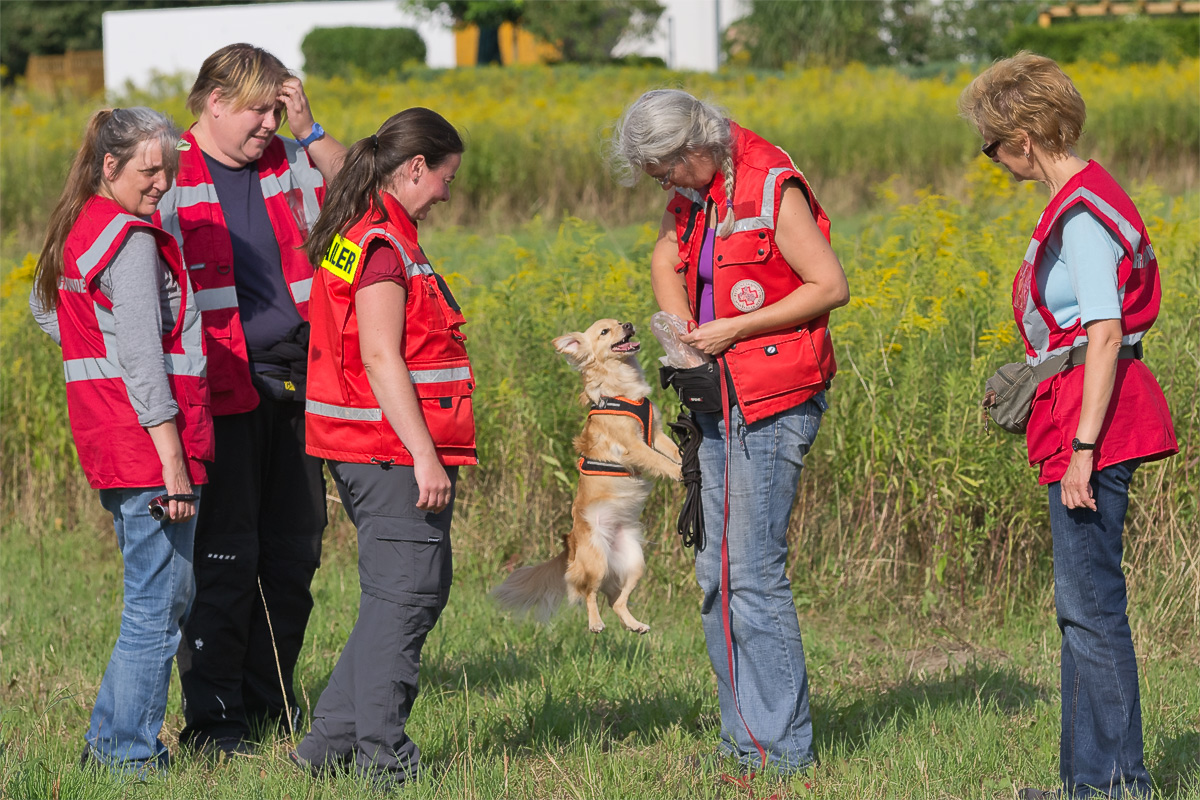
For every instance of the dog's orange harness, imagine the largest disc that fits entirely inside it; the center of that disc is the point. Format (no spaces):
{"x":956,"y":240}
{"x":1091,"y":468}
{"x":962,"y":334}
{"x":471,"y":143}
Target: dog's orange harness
{"x":641,"y":410}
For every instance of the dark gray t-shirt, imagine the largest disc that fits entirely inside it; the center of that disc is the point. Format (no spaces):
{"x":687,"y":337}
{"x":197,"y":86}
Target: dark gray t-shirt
{"x":144,"y":295}
{"x":264,"y":303}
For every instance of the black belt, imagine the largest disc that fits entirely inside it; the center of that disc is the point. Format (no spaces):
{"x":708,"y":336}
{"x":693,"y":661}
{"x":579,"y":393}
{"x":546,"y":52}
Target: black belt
{"x":1079,"y":354}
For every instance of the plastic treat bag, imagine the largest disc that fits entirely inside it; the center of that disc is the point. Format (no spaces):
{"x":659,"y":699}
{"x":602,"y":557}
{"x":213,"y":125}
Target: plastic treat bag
{"x":667,"y":329}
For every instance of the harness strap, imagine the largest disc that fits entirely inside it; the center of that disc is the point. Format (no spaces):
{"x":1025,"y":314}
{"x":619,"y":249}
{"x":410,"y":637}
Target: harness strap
{"x":588,"y":466}
{"x":641,"y":410}
{"x":725,"y":588}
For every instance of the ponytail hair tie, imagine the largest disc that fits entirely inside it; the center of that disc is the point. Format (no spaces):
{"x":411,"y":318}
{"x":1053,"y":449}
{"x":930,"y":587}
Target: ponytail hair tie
{"x":374,"y":142}
{"x":729,"y":203}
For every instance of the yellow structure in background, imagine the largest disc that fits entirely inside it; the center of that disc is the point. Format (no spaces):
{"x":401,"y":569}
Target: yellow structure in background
{"x":78,"y":70}
{"x":1107,"y":9}
{"x":517,"y":46}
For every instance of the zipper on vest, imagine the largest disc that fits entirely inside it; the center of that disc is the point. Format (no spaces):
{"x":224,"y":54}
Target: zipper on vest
{"x":691,"y":223}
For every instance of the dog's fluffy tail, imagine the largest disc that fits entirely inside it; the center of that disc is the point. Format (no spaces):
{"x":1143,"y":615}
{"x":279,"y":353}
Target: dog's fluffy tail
{"x":538,"y":590}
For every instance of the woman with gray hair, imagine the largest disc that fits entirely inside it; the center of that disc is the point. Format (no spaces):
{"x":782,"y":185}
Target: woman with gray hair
{"x":743,"y":256}
{"x":112,"y":291}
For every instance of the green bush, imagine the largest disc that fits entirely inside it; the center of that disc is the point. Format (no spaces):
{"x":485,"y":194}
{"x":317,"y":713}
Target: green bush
{"x":374,"y":51}
{"x":1132,"y":40}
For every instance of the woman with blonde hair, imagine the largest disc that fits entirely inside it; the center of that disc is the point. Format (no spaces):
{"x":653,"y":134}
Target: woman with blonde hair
{"x":1085,"y":295}
{"x":112,"y":290}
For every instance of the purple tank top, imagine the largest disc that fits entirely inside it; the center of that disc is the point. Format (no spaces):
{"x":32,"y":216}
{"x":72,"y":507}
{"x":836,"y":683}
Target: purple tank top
{"x":704,"y":274}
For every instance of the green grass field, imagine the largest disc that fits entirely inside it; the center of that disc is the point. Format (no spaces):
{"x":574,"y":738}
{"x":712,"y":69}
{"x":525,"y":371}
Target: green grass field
{"x":950,"y":704}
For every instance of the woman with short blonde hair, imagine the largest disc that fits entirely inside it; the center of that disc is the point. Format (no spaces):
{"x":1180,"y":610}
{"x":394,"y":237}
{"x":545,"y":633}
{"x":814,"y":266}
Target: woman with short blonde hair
{"x":1085,"y":294}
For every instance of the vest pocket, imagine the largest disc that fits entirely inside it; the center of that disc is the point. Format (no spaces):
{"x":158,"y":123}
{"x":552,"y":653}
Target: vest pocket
{"x":224,"y":366}
{"x":774,"y":364}
{"x":207,"y":251}
{"x":749,"y":247}
{"x":451,"y":421}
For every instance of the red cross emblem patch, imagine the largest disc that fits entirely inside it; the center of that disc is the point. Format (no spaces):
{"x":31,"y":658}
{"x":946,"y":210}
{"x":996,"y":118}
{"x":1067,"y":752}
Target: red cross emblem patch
{"x":747,"y":295}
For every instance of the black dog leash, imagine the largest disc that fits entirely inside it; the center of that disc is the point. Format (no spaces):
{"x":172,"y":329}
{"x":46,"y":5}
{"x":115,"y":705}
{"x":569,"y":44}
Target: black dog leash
{"x":691,"y":516}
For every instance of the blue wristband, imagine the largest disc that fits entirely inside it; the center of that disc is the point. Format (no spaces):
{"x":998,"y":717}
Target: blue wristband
{"x":316,"y":133}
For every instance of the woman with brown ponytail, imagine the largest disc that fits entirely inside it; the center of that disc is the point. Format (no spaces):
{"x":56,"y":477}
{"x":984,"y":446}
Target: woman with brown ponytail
{"x":111,"y":289}
{"x":389,"y":408}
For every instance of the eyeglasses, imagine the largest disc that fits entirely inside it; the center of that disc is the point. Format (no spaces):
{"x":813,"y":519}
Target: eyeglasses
{"x":666,"y":177}
{"x":989,"y":150}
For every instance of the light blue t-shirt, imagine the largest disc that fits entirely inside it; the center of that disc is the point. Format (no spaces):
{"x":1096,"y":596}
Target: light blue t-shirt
{"x":1077,"y":278}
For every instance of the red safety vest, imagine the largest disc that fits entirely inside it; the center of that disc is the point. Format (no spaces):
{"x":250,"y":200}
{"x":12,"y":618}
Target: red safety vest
{"x":344,"y":420}
{"x":293,"y":191}
{"x":1138,"y":422}
{"x":773,"y":371}
{"x":114,"y":449}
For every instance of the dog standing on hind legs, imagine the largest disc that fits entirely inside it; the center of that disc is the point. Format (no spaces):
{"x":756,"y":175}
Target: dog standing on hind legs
{"x":621,"y":444}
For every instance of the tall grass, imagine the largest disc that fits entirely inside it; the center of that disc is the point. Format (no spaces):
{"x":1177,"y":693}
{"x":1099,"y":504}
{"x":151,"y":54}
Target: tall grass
{"x":536,"y":135}
{"x":904,"y":491}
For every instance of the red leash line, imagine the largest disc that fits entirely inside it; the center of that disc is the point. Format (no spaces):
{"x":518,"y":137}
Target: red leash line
{"x":725,"y":589}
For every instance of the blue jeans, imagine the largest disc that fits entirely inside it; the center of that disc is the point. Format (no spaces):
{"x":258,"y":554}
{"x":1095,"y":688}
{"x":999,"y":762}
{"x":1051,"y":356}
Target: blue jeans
{"x":768,"y":655}
{"x":129,"y":711}
{"x":1100,"y":753}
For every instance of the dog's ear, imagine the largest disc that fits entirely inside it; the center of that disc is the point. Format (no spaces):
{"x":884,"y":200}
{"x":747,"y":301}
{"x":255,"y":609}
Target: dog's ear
{"x":572,"y":346}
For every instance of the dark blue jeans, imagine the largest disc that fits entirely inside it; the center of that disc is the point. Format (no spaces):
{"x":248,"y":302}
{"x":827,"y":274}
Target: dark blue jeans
{"x":1101,"y":752}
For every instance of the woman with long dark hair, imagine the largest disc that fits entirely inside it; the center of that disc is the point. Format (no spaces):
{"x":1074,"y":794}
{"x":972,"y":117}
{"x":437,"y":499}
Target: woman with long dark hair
{"x":389,"y":408}
{"x":111,"y":289}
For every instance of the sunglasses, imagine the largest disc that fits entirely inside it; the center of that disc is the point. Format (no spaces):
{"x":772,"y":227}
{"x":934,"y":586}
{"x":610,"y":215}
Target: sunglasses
{"x":989,"y":150}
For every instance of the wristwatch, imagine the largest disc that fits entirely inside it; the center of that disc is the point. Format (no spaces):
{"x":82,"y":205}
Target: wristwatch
{"x":316,"y":133}
{"x":1077,"y":445}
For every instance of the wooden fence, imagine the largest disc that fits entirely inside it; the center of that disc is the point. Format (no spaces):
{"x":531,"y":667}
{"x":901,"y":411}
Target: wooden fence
{"x":80,"y":71}
{"x":1105,"y":9}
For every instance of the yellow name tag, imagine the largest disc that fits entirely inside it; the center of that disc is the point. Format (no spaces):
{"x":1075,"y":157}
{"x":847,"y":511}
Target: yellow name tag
{"x":343,"y":258}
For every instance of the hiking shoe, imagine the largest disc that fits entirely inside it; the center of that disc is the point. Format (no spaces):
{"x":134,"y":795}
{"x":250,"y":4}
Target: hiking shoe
{"x":224,"y":747}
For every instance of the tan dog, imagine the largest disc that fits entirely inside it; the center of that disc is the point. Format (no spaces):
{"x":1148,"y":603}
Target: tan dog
{"x":622,"y":442}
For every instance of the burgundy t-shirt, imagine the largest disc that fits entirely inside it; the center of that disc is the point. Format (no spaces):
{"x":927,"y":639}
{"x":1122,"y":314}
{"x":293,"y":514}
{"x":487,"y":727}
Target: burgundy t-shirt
{"x":382,"y":264}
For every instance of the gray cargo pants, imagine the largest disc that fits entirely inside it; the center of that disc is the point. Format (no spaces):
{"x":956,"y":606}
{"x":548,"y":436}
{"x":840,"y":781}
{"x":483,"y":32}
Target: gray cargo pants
{"x":405,"y":570}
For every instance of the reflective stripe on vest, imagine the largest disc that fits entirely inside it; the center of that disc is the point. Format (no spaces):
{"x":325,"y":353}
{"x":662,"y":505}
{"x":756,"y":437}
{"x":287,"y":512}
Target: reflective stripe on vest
{"x":417,"y":376}
{"x":305,"y":178}
{"x":411,"y":268}
{"x":343,"y":412}
{"x":91,"y":257}
{"x":191,"y":361}
{"x":1036,"y":330}
{"x":213,"y":299}
{"x":766,"y":212}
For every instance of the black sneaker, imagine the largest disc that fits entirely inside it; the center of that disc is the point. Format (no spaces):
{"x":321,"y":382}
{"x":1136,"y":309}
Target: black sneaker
{"x":224,"y":747}
{"x":1029,"y":793}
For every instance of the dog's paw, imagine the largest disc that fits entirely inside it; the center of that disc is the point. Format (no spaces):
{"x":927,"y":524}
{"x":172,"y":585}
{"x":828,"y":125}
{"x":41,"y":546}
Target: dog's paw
{"x":640,"y":628}
{"x":596,"y":627}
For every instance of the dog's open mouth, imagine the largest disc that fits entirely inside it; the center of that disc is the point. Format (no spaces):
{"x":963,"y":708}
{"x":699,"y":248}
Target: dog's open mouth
{"x":625,"y":346}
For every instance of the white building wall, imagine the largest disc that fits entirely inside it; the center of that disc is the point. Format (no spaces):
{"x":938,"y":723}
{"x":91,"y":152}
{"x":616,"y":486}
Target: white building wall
{"x":688,"y":34}
{"x":138,"y":44}
{"x":141,"y":43}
